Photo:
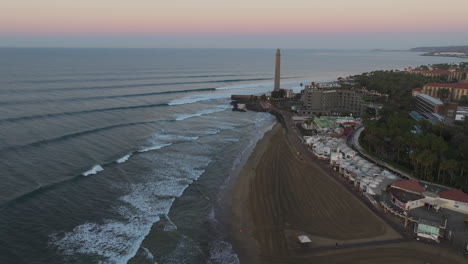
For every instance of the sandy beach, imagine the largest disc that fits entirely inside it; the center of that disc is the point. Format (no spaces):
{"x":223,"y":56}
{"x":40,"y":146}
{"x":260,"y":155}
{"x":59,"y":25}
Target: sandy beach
{"x":282,"y":192}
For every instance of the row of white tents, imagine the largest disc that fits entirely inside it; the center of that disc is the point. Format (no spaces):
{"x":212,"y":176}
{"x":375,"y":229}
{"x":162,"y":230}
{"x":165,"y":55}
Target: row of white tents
{"x":326,"y":147}
{"x":369,"y":177}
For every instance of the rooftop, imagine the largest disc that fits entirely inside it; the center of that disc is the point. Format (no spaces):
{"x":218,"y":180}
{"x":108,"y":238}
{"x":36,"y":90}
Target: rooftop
{"x":430,"y":99}
{"x":322,"y":122}
{"x":454,"y":195}
{"x":416,"y":116}
{"x":409,"y":185}
{"x":350,"y":124}
{"x":448,"y":85}
{"x":404,"y":196}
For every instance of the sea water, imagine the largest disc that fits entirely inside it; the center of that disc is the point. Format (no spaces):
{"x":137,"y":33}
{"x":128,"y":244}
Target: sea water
{"x":122,"y":155}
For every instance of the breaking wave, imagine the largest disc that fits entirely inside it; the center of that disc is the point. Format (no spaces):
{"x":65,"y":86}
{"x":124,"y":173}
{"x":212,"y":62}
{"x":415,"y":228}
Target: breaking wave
{"x":222,"y":252}
{"x":94,"y":170}
{"x":128,"y":78}
{"x":73,"y":99}
{"x":117,"y":241}
{"x":72,"y":113}
{"x":257,"y":85}
{"x":124,"y":158}
{"x":199,"y":98}
{"x":219,"y":108}
{"x":125,"y":86}
{"x":155,"y":147}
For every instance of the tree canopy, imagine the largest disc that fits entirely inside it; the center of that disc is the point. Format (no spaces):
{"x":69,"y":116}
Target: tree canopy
{"x":432,"y":152}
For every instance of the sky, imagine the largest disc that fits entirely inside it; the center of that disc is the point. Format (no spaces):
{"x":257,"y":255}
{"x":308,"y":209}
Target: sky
{"x":347,"y":24}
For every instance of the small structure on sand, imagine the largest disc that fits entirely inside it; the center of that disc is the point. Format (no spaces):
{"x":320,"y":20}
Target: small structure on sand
{"x":304,"y":240}
{"x":428,"y":229}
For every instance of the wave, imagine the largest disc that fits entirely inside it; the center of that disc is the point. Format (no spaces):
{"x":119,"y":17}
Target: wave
{"x":154,"y":147}
{"x":169,"y":226}
{"x":124,"y":158}
{"x":222,"y":252}
{"x":211,"y":131}
{"x":159,"y":141}
{"x":163,"y":139}
{"x":117,"y":241}
{"x":124,"y":86}
{"x":220,"y":108}
{"x":202,"y":112}
{"x":255,"y":85}
{"x":94,"y":170}
{"x":181,"y":101}
{"x":74,"y":99}
{"x":199,"y":98}
{"x":147,"y":254}
{"x":72,"y":113}
{"x":126,"y":79}
{"x":266,"y":87}
{"x":72,"y":135}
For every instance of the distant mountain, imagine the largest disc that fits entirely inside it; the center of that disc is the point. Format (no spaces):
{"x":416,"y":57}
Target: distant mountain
{"x":386,"y":50}
{"x":461,"y":49}
{"x":450,"y":51}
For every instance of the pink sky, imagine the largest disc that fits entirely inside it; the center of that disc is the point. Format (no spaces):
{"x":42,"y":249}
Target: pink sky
{"x":233,"y":23}
{"x":245,"y":17}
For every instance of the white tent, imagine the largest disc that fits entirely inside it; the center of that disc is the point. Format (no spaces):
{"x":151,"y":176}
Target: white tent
{"x":304,"y":239}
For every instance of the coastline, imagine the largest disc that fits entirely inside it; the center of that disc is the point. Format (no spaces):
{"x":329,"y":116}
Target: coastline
{"x":235,"y":215}
{"x":281,"y":191}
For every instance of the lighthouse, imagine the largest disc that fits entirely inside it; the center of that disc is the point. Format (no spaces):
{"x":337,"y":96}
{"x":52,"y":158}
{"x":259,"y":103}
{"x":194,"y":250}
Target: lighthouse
{"x":277,"y":70}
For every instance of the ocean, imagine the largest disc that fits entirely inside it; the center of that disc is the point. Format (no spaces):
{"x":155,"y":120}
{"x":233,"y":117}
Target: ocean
{"x":125,"y":155}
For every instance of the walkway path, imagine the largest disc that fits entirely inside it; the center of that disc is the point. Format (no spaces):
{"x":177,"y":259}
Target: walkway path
{"x":353,"y":141}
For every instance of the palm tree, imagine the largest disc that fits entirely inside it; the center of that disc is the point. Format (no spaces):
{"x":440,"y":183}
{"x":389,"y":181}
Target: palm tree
{"x":420,"y":159}
{"x":414,"y":161}
{"x":431,"y":158}
{"x":442,"y":167}
{"x":451,"y":164}
{"x":463,"y":164}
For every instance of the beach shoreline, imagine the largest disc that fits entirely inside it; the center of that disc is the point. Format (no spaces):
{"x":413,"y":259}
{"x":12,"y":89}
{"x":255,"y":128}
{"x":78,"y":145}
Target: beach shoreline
{"x":235,"y":215}
{"x":282,"y":191}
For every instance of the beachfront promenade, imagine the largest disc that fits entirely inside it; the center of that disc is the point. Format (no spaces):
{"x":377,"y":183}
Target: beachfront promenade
{"x":353,"y":142}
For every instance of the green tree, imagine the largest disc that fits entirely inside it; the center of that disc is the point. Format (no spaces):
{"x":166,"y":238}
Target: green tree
{"x":443,"y":94}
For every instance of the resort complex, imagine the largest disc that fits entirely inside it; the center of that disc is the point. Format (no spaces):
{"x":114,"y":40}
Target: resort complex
{"x":330,"y":99}
{"x":321,"y":157}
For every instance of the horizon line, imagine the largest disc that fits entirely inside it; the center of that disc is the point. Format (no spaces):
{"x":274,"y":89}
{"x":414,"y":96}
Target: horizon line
{"x":103,"y":47}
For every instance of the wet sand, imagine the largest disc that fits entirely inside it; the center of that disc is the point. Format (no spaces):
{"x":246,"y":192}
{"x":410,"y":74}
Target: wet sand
{"x":282,"y":192}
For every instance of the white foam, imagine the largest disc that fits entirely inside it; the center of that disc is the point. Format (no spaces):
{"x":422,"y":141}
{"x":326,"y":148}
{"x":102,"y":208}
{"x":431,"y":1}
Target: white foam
{"x":245,"y":86}
{"x":202,"y":112}
{"x":124,"y":158}
{"x":175,"y":137}
{"x":117,"y":241}
{"x":257,"y":85}
{"x":199,"y":98}
{"x":93,"y":170}
{"x":170,"y":226}
{"x":155,"y":147}
{"x":222,"y":252}
{"x":231,"y":140}
{"x":211,"y":131}
{"x":184,"y":253}
{"x":250,"y":88}
{"x":144,"y":203}
{"x":159,"y":141}
{"x":147,"y":254}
